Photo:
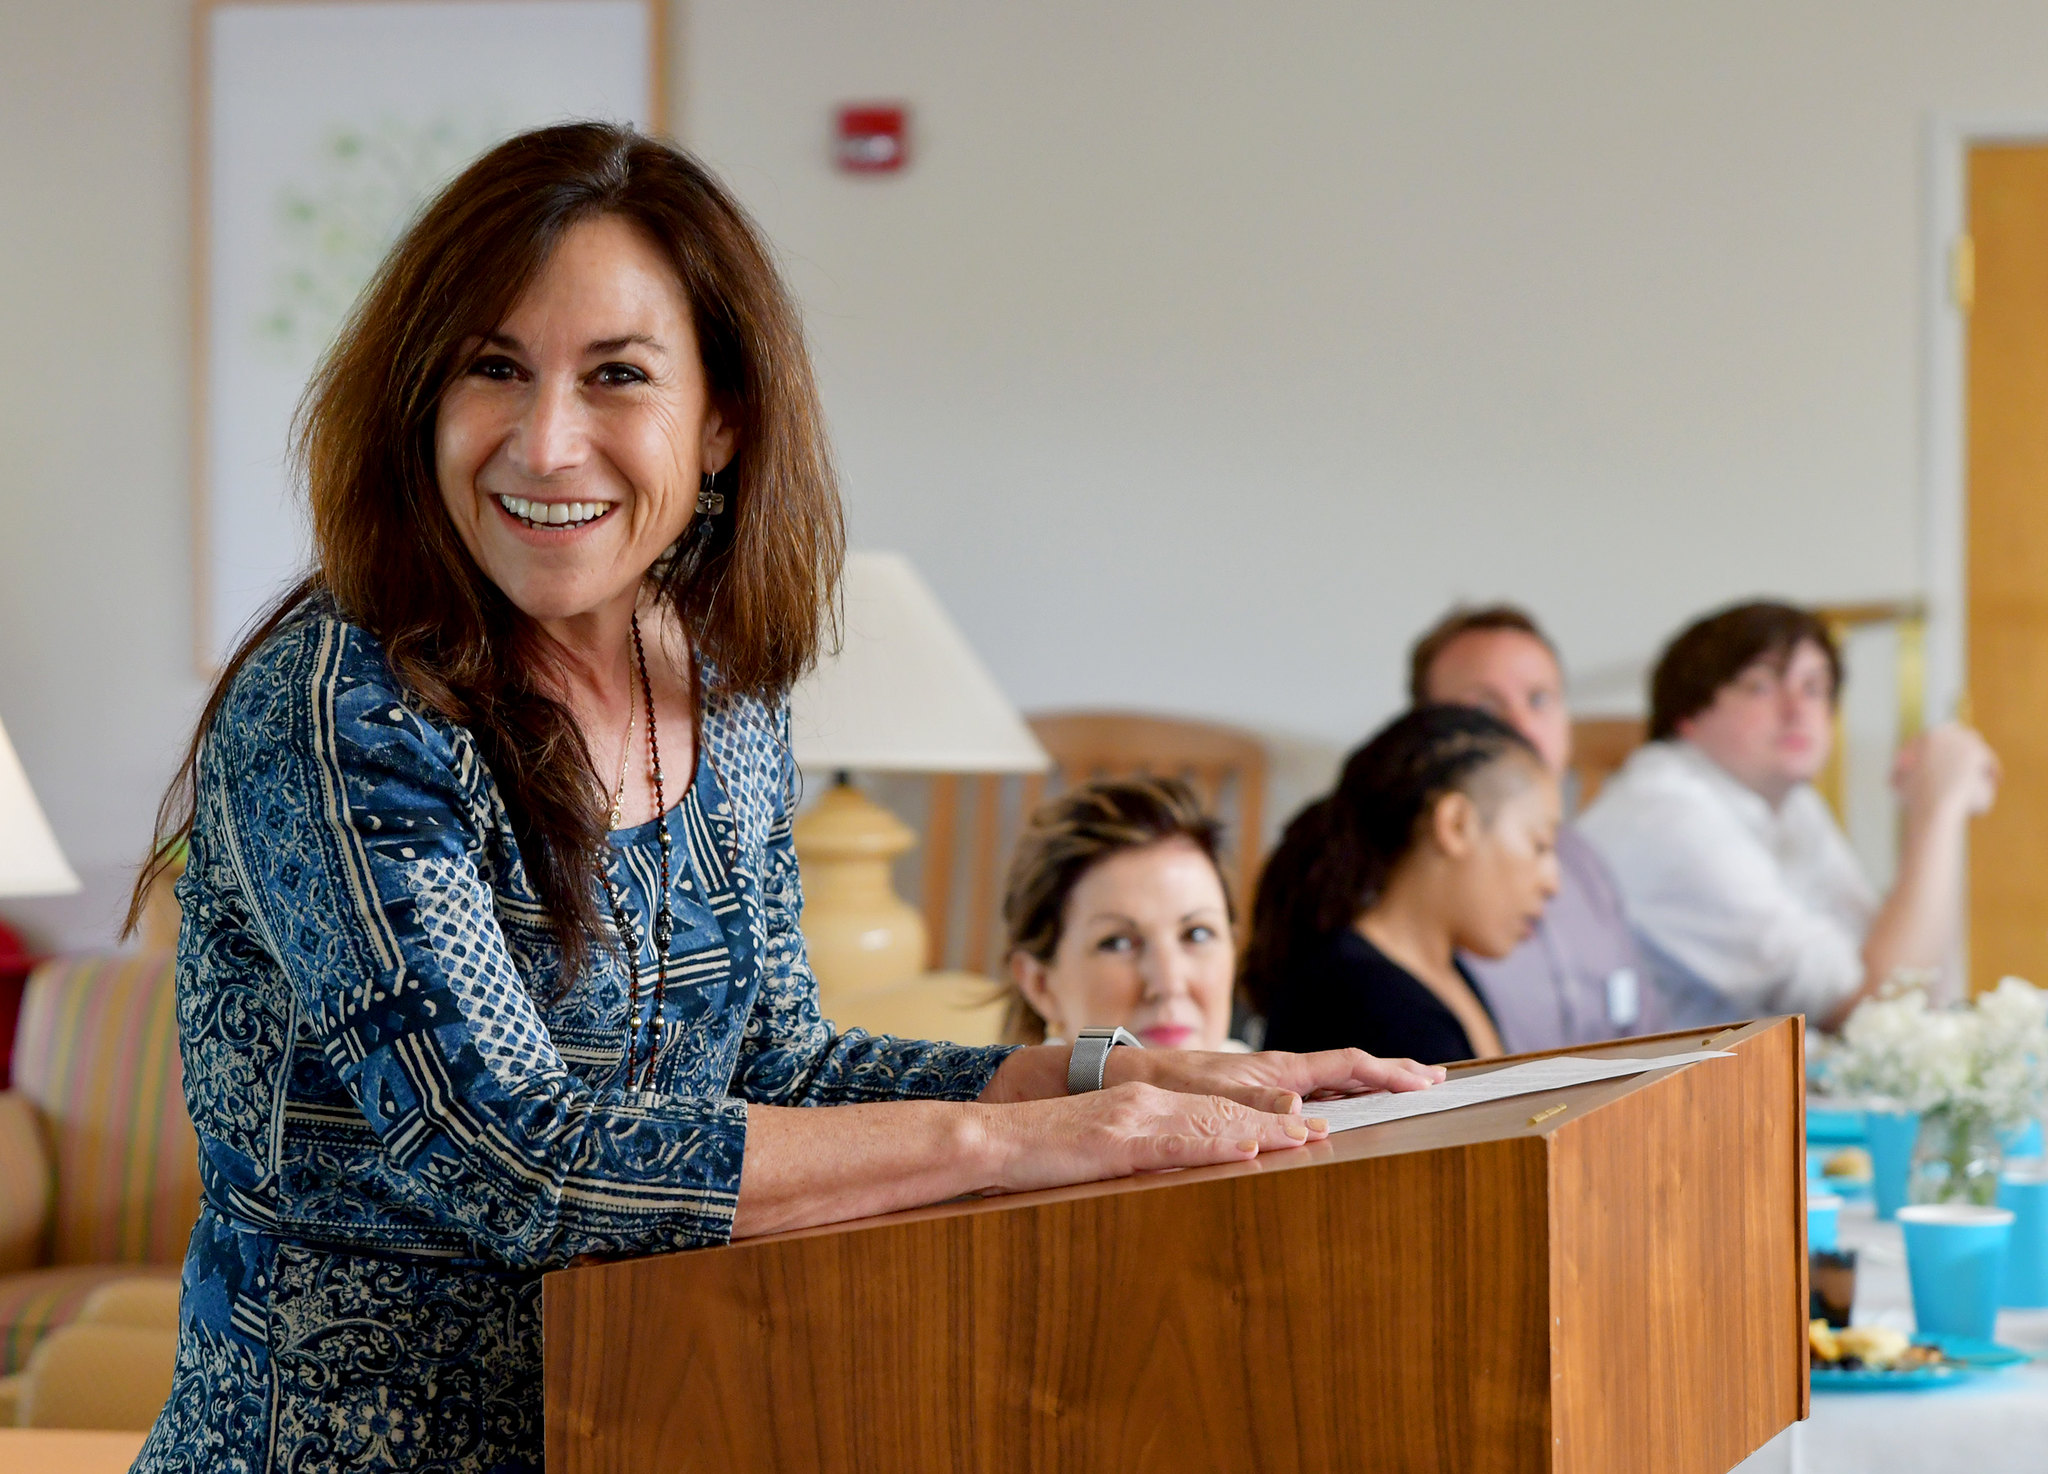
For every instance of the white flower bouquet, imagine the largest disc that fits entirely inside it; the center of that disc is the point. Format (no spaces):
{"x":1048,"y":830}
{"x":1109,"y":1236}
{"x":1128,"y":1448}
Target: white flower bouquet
{"x":1989,"y":1056}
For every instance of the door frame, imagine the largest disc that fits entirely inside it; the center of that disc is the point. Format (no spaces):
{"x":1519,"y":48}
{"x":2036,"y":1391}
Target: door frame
{"x":1945,"y":442}
{"x":1944,"y":472}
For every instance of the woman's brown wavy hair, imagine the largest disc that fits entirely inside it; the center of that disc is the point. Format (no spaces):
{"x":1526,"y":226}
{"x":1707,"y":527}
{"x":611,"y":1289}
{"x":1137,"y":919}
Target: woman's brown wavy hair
{"x":755,"y":587}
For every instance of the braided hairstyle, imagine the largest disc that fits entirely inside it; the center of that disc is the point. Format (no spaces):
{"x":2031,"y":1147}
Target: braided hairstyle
{"x":1336,"y":855}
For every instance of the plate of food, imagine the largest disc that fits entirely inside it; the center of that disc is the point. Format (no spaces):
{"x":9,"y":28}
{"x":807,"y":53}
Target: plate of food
{"x":1843,"y":1170}
{"x":1978,"y":1356}
{"x":1880,"y":1359}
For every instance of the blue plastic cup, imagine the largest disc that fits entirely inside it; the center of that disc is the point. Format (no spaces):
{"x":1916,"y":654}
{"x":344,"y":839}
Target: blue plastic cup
{"x":2023,"y":1187}
{"x":1890,"y":1136}
{"x":2023,"y":1140}
{"x":1955,"y":1257}
{"x":1831,"y":1126}
{"x":1822,"y":1212}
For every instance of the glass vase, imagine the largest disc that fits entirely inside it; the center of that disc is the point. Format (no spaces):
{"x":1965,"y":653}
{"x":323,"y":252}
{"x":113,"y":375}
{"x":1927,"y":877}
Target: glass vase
{"x":1957,"y":1157}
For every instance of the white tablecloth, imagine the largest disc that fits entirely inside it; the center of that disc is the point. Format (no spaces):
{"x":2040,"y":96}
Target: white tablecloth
{"x":1989,"y":1425}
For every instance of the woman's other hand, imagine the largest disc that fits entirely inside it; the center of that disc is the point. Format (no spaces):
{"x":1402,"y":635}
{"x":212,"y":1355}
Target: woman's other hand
{"x":1159,"y":1108}
{"x":804,"y":1167}
{"x":1271,"y":1081}
{"x":1125,"y":1129}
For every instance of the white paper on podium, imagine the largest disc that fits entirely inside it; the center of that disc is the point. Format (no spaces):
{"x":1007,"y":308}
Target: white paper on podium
{"x":1353,"y":1111}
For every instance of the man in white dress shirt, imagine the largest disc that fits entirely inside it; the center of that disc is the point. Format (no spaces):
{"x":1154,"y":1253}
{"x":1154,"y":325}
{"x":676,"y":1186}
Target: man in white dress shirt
{"x":1740,"y":884}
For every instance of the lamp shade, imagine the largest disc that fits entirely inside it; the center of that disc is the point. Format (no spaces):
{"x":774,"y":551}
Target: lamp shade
{"x":905,"y":694}
{"x":30,"y":862}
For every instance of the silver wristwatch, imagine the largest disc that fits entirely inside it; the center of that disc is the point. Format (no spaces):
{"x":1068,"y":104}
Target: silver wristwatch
{"x":1090,"y":1059}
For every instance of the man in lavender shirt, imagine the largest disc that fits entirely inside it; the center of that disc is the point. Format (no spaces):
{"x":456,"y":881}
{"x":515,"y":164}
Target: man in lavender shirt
{"x":1579,"y":978}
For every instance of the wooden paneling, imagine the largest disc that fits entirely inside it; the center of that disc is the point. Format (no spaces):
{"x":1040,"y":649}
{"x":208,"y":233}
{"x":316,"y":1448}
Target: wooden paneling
{"x":1464,"y":1292}
{"x":1225,"y":766}
{"x":2007,"y":408}
{"x":67,"y":1451}
{"x":1600,"y":745}
{"x":1683,"y":1156}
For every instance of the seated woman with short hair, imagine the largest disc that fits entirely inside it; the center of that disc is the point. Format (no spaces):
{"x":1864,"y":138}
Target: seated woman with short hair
{"x":1439,"y":838}
{"x":1117,"y":916}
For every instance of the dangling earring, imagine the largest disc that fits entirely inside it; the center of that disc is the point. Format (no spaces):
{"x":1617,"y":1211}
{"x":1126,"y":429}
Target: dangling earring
{"x":683,"y":557}
{"x":709,"y":502}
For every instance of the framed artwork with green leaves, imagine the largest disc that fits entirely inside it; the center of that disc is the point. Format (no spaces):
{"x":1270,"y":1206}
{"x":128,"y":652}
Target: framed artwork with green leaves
{"x":320,"y":126}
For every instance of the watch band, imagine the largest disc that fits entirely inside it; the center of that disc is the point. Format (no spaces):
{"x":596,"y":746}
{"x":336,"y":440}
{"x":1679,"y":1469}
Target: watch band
{"x":1090,"y":1059}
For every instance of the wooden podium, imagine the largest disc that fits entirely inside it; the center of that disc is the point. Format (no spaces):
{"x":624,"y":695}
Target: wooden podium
{"x":1618,"y":1286}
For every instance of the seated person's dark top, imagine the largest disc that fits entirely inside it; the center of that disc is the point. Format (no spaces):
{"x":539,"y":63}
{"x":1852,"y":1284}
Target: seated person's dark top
{"x":1352,"y":995}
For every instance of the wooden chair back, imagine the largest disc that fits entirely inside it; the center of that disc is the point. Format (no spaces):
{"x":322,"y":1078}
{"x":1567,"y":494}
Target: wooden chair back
{"x":1600,"y":745}
{"x":973,"y":820}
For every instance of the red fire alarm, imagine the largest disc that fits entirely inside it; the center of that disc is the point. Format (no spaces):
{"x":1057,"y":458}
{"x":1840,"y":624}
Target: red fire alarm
{"x":874,"y":138}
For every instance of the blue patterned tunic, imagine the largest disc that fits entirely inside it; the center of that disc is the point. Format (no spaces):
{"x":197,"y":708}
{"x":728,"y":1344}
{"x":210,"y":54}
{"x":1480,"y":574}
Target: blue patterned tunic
{"x":403,"y":1118}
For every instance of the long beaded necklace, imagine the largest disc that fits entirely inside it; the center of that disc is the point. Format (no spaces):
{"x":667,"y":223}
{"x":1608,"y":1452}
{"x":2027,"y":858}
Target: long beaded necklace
{"x":664,"y":913}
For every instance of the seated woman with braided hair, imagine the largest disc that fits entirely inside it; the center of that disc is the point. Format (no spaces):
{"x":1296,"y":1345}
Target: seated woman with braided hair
{"x":1117,"y":917}
{"x":490,"y":954}
{"x":1440,"y":838}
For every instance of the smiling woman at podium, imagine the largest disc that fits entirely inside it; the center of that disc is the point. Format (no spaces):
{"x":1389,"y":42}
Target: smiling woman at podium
{"x":490,"y":954}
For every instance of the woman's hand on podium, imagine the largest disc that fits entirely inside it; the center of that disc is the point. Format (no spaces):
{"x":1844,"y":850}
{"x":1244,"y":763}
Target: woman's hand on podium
{"x":1163,"y":1108}
{"x":1159,"y":1108}
{"x":1272,"y":1081}
{"x":1124,"y":1129}
{"x":804,"y":1167}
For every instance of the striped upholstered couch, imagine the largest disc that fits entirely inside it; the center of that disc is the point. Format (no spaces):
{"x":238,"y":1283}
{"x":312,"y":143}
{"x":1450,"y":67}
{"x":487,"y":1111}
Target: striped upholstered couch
{"x":99,"y":1170}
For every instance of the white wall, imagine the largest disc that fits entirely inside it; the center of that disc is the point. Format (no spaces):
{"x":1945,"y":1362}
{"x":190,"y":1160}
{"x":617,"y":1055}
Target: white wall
{"x":1207,"y":351}
{"x":95,"y":566}
{"x":1204,"y":352}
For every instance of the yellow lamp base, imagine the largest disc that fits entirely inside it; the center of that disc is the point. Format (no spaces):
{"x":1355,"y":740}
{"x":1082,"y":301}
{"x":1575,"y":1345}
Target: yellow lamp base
{"x":860,"y":934}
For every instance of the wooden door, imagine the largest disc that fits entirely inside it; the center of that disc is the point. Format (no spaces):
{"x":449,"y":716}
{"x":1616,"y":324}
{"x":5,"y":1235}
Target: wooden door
{"x":2007,"y":551}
